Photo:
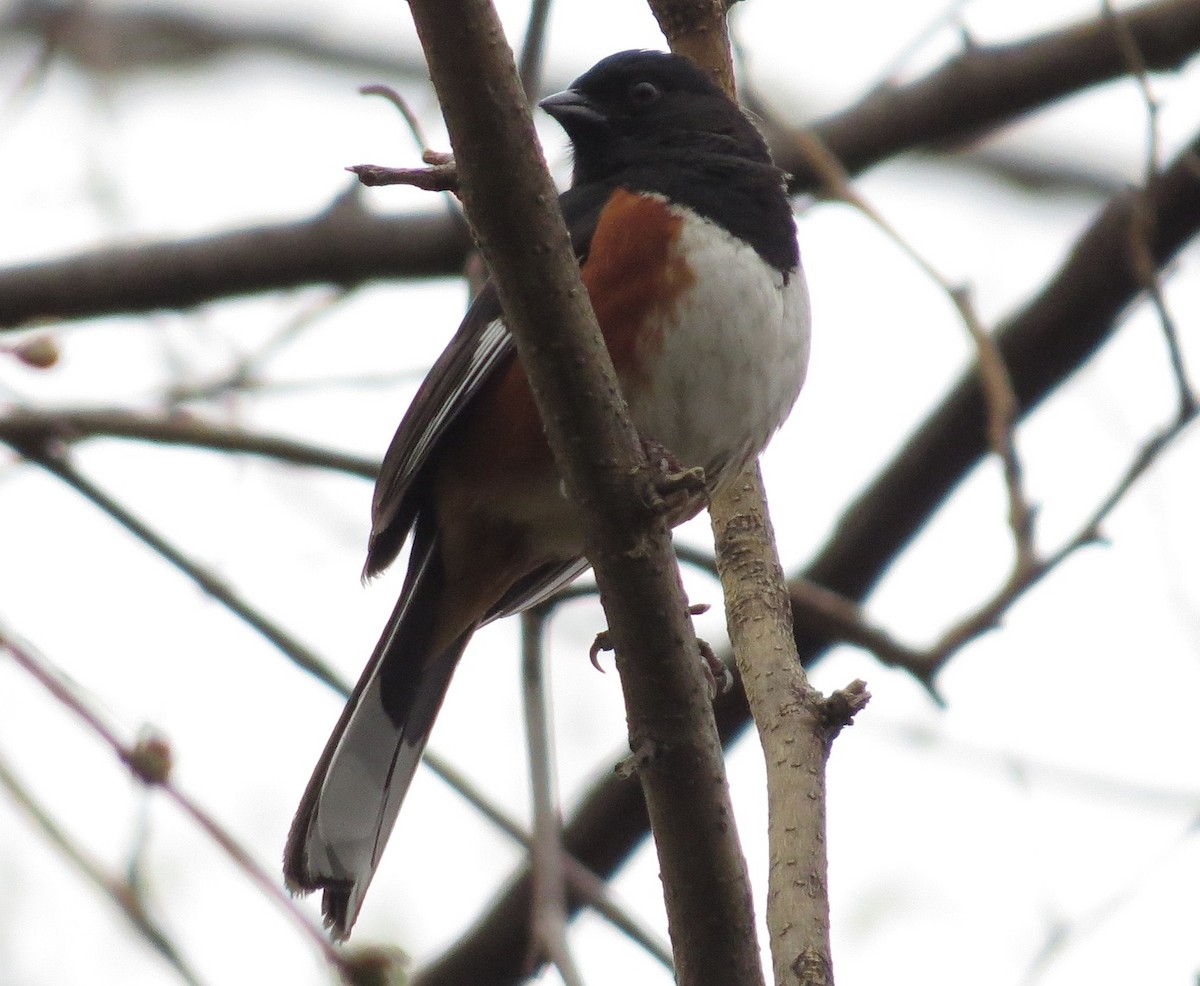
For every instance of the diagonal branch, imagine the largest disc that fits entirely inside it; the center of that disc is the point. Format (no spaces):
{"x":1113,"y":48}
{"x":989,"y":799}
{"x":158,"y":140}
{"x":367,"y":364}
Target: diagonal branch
{"x":987,"y":87}
{"x":124,"y":895}
{"x":149,"y":760}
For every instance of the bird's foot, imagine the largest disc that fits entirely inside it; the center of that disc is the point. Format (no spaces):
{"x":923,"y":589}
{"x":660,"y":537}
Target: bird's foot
{"x":718,"y":676}
{"x":676,"y":487}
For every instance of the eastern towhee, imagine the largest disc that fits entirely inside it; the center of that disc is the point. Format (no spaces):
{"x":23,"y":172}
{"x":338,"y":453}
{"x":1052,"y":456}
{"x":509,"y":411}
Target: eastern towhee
{"x":687,"y":247}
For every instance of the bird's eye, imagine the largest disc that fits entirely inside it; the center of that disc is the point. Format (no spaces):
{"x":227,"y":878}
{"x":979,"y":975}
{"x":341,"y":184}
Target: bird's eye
{"x":643,"y":93}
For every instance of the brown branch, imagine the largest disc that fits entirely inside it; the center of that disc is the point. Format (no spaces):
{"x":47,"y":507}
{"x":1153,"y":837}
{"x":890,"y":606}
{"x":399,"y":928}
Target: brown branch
{"x":1042,"y":345}
{"x":438,"y":178}
{"x":345,"y":245}
{"x":26,"y":428}
{"x":149,"y":761}
{"x":986,"y":87}
{"x":696,"y":28}
{"x":124,"y":894}
{"x":513,"y":209}
{"x":925,"y":666}
{"x":115,"y":40}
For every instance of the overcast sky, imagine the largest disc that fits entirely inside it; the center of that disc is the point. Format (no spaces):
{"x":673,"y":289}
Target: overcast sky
{"x":1040,"y":828}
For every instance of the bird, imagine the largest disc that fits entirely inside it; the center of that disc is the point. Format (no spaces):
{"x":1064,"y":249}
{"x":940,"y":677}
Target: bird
{"x":687,"y":246}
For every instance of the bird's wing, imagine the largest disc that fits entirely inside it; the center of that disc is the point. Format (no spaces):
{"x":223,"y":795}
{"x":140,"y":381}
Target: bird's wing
{"x":480,"y":348}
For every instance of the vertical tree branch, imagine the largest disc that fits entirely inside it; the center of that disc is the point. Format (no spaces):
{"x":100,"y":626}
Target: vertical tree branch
{"x":795,"y":725}
{"x":791,"y":717}
{"x":696,"y":28}
{"x":546,"y":855}
{"x":513,"y":209}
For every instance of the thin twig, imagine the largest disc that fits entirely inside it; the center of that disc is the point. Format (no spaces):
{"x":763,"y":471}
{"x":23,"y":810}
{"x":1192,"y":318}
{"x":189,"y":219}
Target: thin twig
{"x":926,"y":665}
{"x":27,"y":428}
{"x":999,"y":396}
{"x":549,"y":917}
{"x":401,"y":105}
{"x":122,"y":893}
{"x":533,"y":48}
{"x":438,"y":178}
{"x":149,"y":762}
{"x":1141,"y":231}
{"x":246,"y":374}
{"x":293,"y":649}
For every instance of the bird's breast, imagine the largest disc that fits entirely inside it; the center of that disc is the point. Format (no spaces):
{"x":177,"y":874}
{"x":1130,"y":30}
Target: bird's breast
{"x":710,"y":342}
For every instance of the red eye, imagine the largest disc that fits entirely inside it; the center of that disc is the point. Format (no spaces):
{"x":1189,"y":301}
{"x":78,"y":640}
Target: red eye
{"x":643,"y":93}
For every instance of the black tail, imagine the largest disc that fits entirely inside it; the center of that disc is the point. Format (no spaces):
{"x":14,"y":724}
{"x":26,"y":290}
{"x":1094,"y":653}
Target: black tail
{"x":356,"y":790}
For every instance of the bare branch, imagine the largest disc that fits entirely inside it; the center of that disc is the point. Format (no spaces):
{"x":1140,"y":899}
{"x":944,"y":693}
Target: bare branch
{"x":343,"y":246}
{"x":986,"y":87}
{"x":439,"y":178}
{"x":790,"y":717}
{"x":148,"y":760}
{"x":293,"y":649}
{"x":546,"y":853}
{"x":121,"y":892}
{"x":115,"y":40}
{"x":696,"y":28}
{"x":26,"y":428}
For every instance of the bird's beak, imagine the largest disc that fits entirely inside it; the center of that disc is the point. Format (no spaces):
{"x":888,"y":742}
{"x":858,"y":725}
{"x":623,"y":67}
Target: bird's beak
{"x":570,"y":106}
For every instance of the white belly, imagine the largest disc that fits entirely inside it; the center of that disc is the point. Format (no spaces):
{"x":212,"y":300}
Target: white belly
{"x":733,"y":358}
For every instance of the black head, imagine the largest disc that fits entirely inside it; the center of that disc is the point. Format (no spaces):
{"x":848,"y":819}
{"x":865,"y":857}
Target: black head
{"x":635,"y":106}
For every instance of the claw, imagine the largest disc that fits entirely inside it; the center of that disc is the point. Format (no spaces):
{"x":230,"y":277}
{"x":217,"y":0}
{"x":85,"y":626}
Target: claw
{"x":602,"y":642}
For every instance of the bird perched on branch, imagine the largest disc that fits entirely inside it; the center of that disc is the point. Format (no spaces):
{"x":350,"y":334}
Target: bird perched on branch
{"x":687,"y":247}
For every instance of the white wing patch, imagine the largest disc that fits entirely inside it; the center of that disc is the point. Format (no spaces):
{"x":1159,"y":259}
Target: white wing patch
{"x":494,"y":342}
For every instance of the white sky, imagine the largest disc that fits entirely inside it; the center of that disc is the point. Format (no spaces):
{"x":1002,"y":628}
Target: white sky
{"x":1058,"y":790}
